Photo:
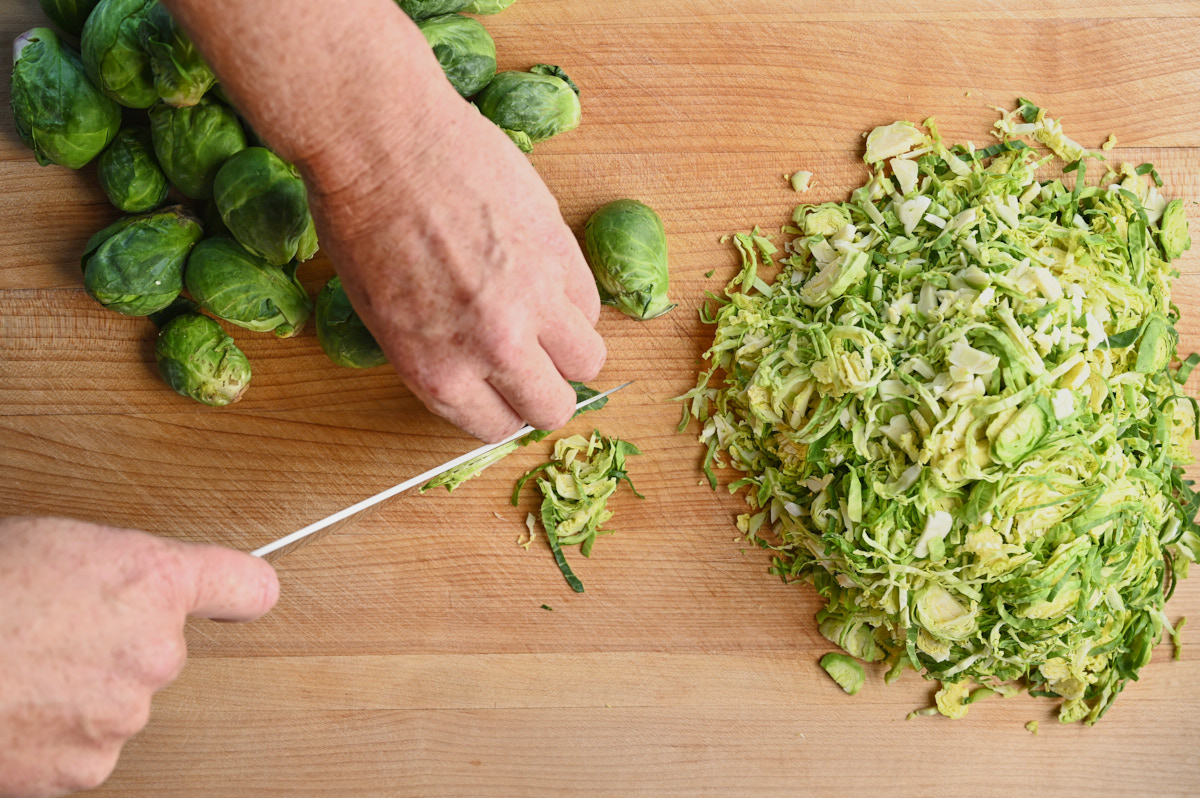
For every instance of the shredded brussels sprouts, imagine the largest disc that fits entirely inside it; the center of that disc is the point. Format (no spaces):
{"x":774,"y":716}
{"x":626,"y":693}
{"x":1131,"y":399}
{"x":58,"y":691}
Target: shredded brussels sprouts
{"x":955,"y":413}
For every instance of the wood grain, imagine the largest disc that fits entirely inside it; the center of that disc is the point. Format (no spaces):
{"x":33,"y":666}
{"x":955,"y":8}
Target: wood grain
{"x":410,"y":654}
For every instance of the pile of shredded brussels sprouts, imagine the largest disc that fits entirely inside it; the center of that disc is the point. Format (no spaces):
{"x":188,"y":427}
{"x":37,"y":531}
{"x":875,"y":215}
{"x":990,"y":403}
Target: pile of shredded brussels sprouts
{"x":957,"y":412}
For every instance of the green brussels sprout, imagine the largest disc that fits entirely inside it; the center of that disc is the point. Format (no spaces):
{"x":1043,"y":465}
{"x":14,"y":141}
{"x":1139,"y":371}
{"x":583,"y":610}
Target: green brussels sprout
{"x":181,"y":76}
{"x":129,"y":174}
{"x":264,"y":204}
{"x":465,"y":50}
{"x":193,"y":143}
{"x":423,"y":9}
{"x":626,"y":246}
{"x":113,"y":54}
{"x":198,"y":359}
{"x":58,"y":113}
{"x":342,"y":333}
{"x":1173,"y":230}
{"x":238,"y":286}
{"x":846,"y":671}
{"x":135,"y":266}
{"x":531,"y":106}
{"x":488,"y":6}
{"x":68,"y":14}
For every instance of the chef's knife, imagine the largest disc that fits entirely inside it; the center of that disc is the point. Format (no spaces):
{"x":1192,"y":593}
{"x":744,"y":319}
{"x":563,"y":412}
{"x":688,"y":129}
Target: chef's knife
{"x":274,"y":551}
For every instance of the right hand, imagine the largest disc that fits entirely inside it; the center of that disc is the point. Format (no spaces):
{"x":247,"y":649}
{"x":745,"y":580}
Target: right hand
{"x":91,"y":624}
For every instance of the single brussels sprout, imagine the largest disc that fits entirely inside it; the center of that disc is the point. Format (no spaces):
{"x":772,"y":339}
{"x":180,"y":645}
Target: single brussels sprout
{"x":423,"y":9}
{"x":342,"y":333}
{"x":465,"y":50}
{"x":113,"y":54}
{"x":68,"y":14}
{"x":531,"y":106}
{"x":58,"y":112}
{"x":193,"y":143}
{"x":129,"y":174}
{"x":181,"y":76}
{"x":626,"y":246}
{"x":264,"y":204}
{"x":135,"y":266}
{"x":238,"y":286}
{"x":488,"y":6}
{"x":198,"y":359}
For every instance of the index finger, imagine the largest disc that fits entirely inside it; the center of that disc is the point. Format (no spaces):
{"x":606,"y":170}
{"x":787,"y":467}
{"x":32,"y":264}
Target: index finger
{"x":229,"y":585}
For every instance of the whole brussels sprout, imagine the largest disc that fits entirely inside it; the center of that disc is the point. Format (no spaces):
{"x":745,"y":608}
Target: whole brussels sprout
{"x":198,"y":359}
{"x":68,"y":14}
{"x":240,"y":287}
{"x":181,"y":76}
{"x":57,"y":111}
{"x":130,"y":176}
{"x":264,"y":204}
{"x":488,"y":6}
{"x":423,"y":9}
{"x":342,"y":333}
{"x":135,"y":266}
{"x":113,"y":54}
{"x":531,"y":106}
{"x":626,"y":246}
{"x":465,"y":50}
{"x":193,"y":143}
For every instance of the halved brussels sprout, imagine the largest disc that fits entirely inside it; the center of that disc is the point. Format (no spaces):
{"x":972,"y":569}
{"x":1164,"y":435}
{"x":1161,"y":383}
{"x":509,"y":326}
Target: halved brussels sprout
{"x":193,"y":143}
{"x":240,"y":287}
{"x":68,"y":14}
{"x":341,"y":333}
{"x":135,"y":266}
{"x":113,"y":54}
{"x":264,"y":204}
{"x":198,"y":359}
{"x":488,"y":6}
{"x":532,"y":106}
{"x":626,"y":245}
{"x":58,"y":112}
{"x":423,"y":9}
{"x":465,"y":50}
{"x":181,"y":76}
{"x":129,"y":174}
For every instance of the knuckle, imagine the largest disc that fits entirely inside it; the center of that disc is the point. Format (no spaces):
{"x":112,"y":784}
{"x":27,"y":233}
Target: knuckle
{"x":90,"y":770}
{"x":162,"y":659}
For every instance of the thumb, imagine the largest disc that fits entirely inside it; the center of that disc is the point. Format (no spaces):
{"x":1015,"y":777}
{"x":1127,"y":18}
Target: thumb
{"x":229,"y":585}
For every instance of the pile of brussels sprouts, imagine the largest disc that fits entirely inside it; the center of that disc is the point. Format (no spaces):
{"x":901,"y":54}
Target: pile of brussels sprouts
{"x":213,"y":212}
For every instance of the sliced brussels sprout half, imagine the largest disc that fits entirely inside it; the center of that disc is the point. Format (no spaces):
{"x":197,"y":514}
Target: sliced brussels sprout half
{"x":465,"y":50}
{"x":626,"y":246}
{"x":341,"y":333}
{"x":113,"y":53}
{"x":135,"y":265}
{"x":532,"y":106}
{"x":193,"y":143}
{"x":58,"y":112}
{"x":264,"y":203}
{"x":236,"y":285}
{"x":129,"y":173}
{"x":198,"y":359}
{"x":181,"y":76}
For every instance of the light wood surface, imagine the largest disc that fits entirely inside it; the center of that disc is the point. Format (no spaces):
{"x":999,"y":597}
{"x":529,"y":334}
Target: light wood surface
{"x":409,"y":654}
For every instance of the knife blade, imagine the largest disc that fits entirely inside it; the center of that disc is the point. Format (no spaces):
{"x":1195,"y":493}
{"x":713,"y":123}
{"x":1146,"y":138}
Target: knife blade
{"x":288,"y":543}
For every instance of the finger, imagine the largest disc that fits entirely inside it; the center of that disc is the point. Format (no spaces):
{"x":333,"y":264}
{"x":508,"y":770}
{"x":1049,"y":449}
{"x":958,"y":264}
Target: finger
{"x":229,"y":585}
{"x":469,"y":403}
{"x":535,"y":389}
{"x":581,"y":286}
{"x":575,"y":347}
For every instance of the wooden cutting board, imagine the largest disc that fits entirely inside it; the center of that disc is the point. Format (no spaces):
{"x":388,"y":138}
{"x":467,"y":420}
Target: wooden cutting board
{"x":410,"y":654}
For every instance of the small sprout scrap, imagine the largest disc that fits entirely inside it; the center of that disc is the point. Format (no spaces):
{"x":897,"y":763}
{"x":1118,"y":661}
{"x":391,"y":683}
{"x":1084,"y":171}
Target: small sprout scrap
{"x":801,"y":181}
{"x":1032,"y":727}
{"x":846,"y":671}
